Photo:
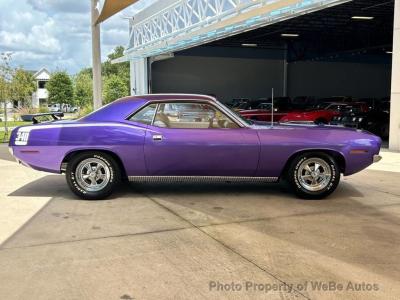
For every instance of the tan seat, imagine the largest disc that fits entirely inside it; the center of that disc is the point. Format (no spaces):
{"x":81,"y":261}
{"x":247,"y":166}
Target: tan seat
{"x":162,"y":118}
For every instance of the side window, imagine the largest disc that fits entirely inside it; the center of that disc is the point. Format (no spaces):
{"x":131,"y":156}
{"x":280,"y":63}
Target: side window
{"x":145,"y":115}
{"x":191,"y":115}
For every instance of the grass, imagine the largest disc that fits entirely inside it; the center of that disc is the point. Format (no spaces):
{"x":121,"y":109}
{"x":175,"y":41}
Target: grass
{"x":14,"y":123}
{"x":2,"y":137}
{"x":10,"y":124}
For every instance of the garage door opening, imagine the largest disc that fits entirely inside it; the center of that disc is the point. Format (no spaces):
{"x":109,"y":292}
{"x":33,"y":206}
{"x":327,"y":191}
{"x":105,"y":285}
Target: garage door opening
{"x":341,"y":52}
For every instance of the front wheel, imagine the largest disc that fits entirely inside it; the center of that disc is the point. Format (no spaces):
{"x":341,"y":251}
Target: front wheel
{"x":93,"y":175}
{"x":314,"y":175}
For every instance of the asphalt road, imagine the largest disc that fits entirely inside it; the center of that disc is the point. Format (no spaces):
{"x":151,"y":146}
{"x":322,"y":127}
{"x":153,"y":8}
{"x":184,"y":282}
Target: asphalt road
{"x":193,"y":241}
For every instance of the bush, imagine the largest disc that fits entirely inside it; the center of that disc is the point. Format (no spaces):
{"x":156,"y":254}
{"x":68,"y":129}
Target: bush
{"x":43,"y":109}
{"x":24,"y":111}
{"x":83,"y":111}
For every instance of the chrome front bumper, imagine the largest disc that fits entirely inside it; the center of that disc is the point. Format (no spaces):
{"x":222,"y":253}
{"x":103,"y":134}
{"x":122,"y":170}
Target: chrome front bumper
{"x":377,"y":158}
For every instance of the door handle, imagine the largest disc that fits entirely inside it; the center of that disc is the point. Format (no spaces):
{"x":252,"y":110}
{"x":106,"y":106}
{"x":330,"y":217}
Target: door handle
{"x":157,"y":137}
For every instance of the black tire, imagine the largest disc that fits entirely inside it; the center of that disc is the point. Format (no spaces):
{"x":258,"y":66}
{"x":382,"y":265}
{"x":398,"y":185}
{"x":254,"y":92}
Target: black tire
{"x":107,"y":163}
{"x":296,"y":167}
{"x":321,"y":122}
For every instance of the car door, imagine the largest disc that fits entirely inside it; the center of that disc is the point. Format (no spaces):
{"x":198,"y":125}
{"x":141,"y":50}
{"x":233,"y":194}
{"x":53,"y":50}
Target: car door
{"x":197,"y":139}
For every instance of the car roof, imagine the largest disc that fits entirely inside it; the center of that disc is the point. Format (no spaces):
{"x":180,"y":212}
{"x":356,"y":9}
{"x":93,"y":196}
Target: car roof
{"x":122,"y":108}
{"x":172,"y":96}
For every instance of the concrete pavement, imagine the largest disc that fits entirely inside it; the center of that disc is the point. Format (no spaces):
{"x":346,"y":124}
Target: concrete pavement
{"x":198,"y":241}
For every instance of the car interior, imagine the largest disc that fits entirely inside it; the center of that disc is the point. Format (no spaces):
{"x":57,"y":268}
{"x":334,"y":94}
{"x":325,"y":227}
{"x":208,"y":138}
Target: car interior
{"x":184,"y":115}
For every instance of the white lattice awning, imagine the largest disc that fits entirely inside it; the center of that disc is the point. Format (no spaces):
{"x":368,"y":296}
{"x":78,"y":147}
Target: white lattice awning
{"x":173,"y":25}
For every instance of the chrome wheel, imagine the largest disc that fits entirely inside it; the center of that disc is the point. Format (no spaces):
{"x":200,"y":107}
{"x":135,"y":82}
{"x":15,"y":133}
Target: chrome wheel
{"x":92,"y":174}
{"x":314,"y":174}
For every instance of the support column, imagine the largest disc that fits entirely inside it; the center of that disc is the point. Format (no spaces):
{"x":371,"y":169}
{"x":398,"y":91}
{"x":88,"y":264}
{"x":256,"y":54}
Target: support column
{"x":132,"y":77}
{"x":96,"y":56}
{"x":285,"y":71}
{"x":139,"y":76}
{"x":394,"y":138}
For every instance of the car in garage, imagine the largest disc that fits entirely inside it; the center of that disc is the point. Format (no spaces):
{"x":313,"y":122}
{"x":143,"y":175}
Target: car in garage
{"x":262,"y":109}
{"x":376,"y":120}
{"x":236,"y":102}
{"x":247,"y":105}
{"x":336,"y":99}
{"x":145,"y":138}
{"x":325,"y":114}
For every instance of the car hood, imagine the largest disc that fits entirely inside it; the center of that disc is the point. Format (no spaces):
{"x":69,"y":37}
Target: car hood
{"x":252,"y":111}
{"x":319,"y":133}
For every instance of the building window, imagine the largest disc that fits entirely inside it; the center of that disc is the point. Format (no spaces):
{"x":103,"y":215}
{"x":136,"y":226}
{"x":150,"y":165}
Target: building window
{"x":42,"y":101}
{"x":42,"y":84}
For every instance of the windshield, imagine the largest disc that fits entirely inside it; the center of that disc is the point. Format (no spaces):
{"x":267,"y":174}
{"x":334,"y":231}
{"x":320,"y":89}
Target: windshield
{"x":341,"y":107}
{"x":266,"y":106}
{"x":244,"y":105}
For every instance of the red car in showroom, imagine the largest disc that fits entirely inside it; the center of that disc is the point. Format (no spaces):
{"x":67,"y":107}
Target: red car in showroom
{"x":324,"y":113}
{"x":263,"y":110}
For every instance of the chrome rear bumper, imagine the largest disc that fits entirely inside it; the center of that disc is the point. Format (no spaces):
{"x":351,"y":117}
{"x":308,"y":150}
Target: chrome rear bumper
{"x":377,"y":158}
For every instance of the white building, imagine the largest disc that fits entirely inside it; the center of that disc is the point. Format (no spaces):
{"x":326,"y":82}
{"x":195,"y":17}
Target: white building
{"x":41,"y":95}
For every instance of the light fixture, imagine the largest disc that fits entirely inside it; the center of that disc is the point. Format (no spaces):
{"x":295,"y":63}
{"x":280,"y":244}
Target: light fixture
{"x":389,"y":52}
{"x":249,"y":45}
{"x":289,"y":35}
{"x":362,"y":18}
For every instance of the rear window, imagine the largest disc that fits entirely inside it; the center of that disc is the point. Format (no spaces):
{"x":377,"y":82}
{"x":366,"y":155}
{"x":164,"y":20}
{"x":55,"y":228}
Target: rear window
{"x":145,"y":115}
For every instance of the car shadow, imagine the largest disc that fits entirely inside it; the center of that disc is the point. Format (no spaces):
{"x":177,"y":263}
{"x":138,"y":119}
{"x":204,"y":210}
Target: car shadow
{"x":341,"y":227}
{"x":55,"y":186}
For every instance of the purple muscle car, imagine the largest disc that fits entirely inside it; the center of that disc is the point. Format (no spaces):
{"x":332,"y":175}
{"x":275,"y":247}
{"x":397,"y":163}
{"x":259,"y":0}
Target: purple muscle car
{"x":176,"y":137}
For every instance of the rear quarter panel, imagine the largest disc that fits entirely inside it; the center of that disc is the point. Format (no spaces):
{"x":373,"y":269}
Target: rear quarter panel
{"x":49,"y":144}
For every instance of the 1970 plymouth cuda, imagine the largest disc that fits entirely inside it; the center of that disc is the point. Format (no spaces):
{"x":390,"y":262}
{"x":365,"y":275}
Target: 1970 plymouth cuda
{"x":181,"y":137}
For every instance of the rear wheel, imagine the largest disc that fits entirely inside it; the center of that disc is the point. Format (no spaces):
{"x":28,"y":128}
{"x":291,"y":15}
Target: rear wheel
{"x":314,"y":175}
{"x":93,"y":175}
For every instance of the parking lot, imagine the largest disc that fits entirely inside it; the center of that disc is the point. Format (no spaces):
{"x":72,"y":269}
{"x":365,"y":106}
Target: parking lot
{"x":194,"y":241}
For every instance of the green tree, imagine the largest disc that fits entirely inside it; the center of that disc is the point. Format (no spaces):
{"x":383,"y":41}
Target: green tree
{"x":60,"y":88}
{"x":83,"y":89}
{"x":114,"y":88}
{"x":22,"y":85}
{"x":108,"y":68}
{"x":6,"y":76}
{"x":110,"y":71}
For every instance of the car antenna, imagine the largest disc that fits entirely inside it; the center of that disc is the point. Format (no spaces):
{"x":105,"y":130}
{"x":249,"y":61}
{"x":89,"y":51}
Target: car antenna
{"x":272,"y":108}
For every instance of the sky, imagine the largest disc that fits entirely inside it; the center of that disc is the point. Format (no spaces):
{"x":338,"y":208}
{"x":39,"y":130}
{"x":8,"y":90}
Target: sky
{"x":56,"y":34}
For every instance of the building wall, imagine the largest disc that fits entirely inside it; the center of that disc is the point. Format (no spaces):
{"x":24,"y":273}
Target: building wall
{"x":226,"y":77}
{"x":322,"y":79}
{"x":41,"y":93}
{"x":230,"y":73}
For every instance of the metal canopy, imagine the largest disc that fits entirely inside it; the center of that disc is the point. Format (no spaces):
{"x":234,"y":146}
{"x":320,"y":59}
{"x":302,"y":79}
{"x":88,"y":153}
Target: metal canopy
{"x":328,"y":33}
{"x":173,"y":25}
{"x":108,"y":8}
